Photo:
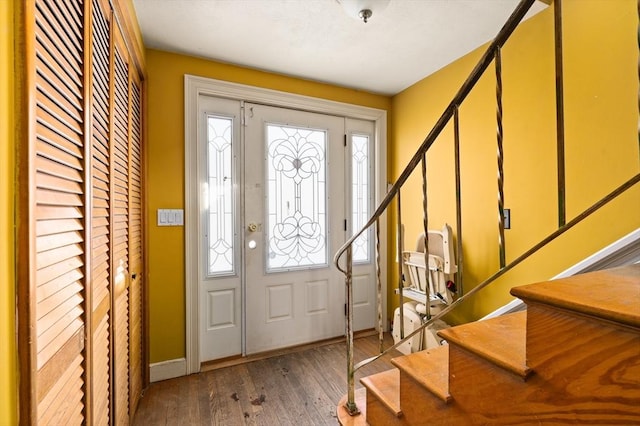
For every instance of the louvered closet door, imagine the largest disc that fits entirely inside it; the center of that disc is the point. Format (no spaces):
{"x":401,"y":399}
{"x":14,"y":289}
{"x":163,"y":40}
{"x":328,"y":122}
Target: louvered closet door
{"x":57,"y":359}
{"x":135,"y":245}
{"x":80,"y":230}
{"x":120,"y":197}
{"x":101,"y":214}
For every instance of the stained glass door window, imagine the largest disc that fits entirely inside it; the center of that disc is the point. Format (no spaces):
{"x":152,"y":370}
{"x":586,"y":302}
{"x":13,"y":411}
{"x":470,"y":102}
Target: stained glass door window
{"x":220,"y":196}
{"x":296,"y":197}
{"x":360,"y":195}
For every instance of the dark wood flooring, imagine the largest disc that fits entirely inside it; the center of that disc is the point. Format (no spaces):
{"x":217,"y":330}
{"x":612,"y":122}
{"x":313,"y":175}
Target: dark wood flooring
{"x":299,"y":388}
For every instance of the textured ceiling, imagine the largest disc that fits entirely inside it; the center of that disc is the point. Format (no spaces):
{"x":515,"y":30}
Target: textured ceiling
{"x":316,"y":40}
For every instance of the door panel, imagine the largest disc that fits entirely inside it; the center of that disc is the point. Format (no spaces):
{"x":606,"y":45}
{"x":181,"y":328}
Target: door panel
{"x":359,"y":165}
{"x":136,"y":307}
{"x":120,"y":232}
{"x":101,"y":216}
{"x":294,"y":204}
{"x":56,"y":202}
{"x":220,"y":268}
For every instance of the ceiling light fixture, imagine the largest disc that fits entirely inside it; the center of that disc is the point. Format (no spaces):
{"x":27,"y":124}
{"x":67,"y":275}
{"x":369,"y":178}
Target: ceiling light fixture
{"x":365,"y":14}
{"x":363,"y":9}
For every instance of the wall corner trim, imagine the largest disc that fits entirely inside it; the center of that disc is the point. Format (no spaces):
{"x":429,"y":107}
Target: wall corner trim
{"x":168,"y":369}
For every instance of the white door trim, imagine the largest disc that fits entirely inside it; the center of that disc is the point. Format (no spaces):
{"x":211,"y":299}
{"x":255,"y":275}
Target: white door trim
{"x":195,"y":86}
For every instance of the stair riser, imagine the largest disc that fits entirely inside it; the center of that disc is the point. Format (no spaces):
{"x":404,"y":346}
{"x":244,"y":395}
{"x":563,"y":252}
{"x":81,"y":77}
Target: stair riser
{"x":595,"y":367}
{"x":483,"y":392}
{"x":379,"y":414}
{"x":383,"y":388}
{"x":421,"y":407}
{"x":429,"y":369}
{"x":501,"y":341}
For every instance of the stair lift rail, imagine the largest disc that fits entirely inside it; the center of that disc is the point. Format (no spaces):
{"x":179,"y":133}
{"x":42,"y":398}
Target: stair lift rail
{"x":451,"y":113}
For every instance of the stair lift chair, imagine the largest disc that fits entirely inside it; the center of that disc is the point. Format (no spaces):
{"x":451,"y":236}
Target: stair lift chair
{"x":439,"y":277}
{"x":442,"y":268}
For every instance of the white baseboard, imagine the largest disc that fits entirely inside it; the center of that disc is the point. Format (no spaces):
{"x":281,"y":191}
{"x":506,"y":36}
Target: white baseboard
{"x":168,"y":369}
{"x":625,"y":251}
{"x":516,"y":305}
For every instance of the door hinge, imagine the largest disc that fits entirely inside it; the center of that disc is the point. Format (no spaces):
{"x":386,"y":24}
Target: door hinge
{"x":345,"y":224}
{"x":345,"y":309}
{"x":345,"y":140}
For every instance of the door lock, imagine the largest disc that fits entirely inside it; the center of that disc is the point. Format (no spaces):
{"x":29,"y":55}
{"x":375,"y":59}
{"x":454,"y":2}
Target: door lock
{"x":253,"y":227}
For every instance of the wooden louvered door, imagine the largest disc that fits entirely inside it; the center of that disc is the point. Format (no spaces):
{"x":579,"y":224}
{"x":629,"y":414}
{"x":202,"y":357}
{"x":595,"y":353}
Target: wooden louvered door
{"x":80,"y":251}
{"x":136,"y":354}
{"x":120,"y":191}
{"x":100,"y":214}
{"x":56,"y":200}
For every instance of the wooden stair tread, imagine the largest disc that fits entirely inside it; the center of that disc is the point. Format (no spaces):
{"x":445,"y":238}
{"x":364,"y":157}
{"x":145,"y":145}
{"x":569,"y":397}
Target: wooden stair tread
{"x":430,"y":368}
{"x":359,"y":419}
{"x":612,"y":294}
{"x":500,"y":340}
{"x":386,"y":387}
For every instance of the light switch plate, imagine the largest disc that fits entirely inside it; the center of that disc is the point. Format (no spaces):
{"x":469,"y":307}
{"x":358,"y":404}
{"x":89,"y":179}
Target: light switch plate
{"x":507,"y":218}
{"x":170,"y":217}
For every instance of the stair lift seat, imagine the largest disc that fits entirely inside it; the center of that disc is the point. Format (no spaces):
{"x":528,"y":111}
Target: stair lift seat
{"x":441,"y":271}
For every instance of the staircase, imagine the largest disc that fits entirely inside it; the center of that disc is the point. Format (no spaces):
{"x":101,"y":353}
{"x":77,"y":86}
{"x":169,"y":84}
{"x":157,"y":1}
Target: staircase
{"x":572,"y":357}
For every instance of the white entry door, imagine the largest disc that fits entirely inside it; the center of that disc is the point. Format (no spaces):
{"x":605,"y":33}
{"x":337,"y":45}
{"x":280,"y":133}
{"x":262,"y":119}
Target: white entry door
{"x":295,"y":215}
{"x":280,"y":191}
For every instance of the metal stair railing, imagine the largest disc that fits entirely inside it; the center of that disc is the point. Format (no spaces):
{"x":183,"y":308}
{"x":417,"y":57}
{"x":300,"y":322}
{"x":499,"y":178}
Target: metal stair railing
{"x":492,"y":54}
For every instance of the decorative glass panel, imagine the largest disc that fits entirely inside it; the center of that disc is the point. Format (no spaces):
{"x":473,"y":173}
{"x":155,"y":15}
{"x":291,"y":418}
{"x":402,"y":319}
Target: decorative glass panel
{"x":360,"y":196}
{"x":220,"y":185}
{"x":296,"y":197}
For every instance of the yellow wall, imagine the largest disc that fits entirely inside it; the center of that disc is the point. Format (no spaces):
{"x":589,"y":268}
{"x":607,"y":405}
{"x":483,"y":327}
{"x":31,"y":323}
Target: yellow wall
{"x":601,"y":87}
{"x":165,"y":187}
{"x":8,"y":354}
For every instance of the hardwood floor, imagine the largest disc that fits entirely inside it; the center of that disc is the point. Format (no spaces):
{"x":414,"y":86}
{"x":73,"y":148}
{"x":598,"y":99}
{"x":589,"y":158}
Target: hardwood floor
{"x":299,"y":388}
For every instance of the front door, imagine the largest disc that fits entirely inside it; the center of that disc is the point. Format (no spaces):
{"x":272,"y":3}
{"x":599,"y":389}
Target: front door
{"x":294,"y":212}
{"x":276,"y":204}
